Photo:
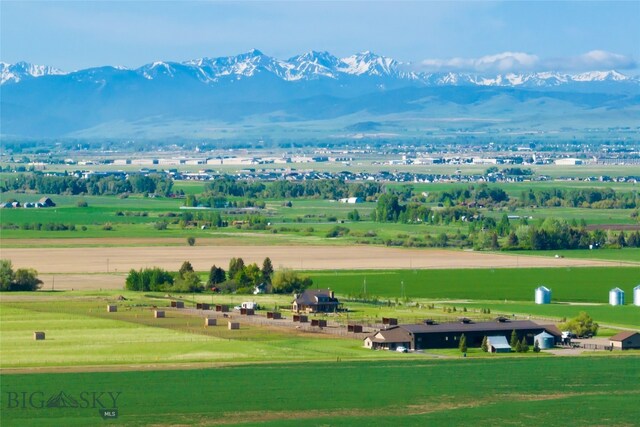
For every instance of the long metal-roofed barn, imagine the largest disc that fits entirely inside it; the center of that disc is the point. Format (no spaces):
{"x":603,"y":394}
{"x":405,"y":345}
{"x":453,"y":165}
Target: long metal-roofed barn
{"x":447,"y":335}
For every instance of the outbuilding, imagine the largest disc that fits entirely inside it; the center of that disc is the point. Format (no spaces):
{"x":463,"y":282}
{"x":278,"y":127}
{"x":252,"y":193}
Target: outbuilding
{"x":498,"y":344}
{"x":625,"y":340}
{"x":543,"y":295}
{"x":545,"y":340}
{"x":616,"y":296}
{"x":636,"y":296}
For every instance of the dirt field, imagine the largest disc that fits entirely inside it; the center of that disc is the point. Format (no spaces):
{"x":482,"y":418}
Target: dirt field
{"x":105,"y":267}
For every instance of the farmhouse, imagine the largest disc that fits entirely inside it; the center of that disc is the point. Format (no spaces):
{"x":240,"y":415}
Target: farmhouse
{"x":315,"y":300}
{"x":447,"y":335}
{"x":625,"y":340}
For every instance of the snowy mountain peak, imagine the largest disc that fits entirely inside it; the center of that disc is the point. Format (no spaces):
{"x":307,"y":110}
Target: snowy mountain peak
{"x":13,"y":73}
{"x":600,"y":76}
{"x":315,"y":65}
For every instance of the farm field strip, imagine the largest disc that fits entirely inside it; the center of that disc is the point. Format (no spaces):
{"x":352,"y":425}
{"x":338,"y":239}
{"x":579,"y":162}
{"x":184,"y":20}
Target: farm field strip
{"x":122,"y":259}
{"x":81,"y":333}
{"x":589,"y":389}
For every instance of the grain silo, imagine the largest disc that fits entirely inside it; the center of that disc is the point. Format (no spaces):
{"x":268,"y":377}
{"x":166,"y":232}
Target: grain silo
{"x":636,"y":295}
{"x":543,"y":295}
{"x":616,"y":296}
{"x":545,"y":340}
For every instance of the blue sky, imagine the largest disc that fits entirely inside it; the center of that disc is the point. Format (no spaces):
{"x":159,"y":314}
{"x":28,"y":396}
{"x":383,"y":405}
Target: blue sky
{"x":471,"y":36}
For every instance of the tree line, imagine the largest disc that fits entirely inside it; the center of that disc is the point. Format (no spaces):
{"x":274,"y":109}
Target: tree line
{"x":488,"y":196}
{"x":239,"y":278}
{"x":93,"y":185}
{"x":229,"y":186}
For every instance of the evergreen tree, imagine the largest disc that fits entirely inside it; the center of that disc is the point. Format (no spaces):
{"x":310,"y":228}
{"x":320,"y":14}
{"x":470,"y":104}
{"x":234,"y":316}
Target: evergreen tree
{"x":485,"y":345}
{"x":216,"y":275}
{"x":235,"y":266}
{"x":518,"y":347}
{"x":536,"y":347}
{"x":524,"y":347}
{"x":494,"y":242}
{"x":463,"y":344}
{"x":267,"y":270}
{"x":512,"y":240}
{"x":622,"y":242}
{"x":514,"y":339}
{"x":184,"y":269}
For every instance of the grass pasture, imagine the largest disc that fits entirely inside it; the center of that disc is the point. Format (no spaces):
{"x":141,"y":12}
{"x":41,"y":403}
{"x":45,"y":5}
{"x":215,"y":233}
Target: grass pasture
{"x":583,"y":284}
{"x":79,"y":332}
{"x":565,"y":391}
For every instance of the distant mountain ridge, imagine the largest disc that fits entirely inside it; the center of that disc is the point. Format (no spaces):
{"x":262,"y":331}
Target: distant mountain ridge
{"x":313,"y":95}
{"x":318,"y":65}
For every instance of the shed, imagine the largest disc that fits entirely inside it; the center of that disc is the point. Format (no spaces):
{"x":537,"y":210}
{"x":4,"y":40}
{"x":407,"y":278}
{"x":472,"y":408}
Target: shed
{"x":625,"y":340}
{"x":234,"y":325}
{"x":112,"y":308}
{"x":38,"y":336}
{"x":543,"y":295}
{"x":210,"y":322}
{"x":247,"y":311}
{"x":222,"y":308}
{"x":636,"y":296}
{"x":158,"y":314}
{"x":203,"y":306}
{"x":300,"y":318}
{"x":498,"y":344}
{"x":545,"y":340}
{"x":274,"y":315}
{"x":177,"y":304}
{"x":322,"y":323}
{"x":391,"y":321}
{"x":616,"y":296}
{"x":356,"y":329}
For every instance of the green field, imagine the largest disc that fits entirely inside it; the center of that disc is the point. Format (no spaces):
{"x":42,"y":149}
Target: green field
{"x":79,"y":332}
{"x":583,"y":284}
{"x":517,"y":391}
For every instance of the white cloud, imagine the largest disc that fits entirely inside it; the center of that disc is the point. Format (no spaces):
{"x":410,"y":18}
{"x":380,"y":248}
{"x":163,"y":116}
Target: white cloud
{"x":593,"y":60}
{"x":519,"y":61}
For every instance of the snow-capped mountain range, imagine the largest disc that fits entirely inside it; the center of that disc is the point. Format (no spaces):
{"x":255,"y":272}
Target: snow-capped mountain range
{"x":228,"y":96}
{"x":316,"y":66}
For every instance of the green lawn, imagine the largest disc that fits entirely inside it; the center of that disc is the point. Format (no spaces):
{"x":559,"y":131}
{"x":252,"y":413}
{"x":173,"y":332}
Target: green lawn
{"x":516,"y":391}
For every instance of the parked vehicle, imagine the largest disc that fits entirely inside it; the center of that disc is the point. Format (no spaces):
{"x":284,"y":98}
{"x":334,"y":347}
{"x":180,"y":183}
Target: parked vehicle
{"x":401,"y":349}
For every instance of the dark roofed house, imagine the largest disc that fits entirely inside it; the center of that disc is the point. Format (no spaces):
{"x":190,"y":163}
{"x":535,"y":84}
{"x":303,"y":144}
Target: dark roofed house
{"x":316,"y":300}
{"x":46,"y":202}
{"x":625,"y":340}
{"x":447,"y":335}
{"x":388,"y":339}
